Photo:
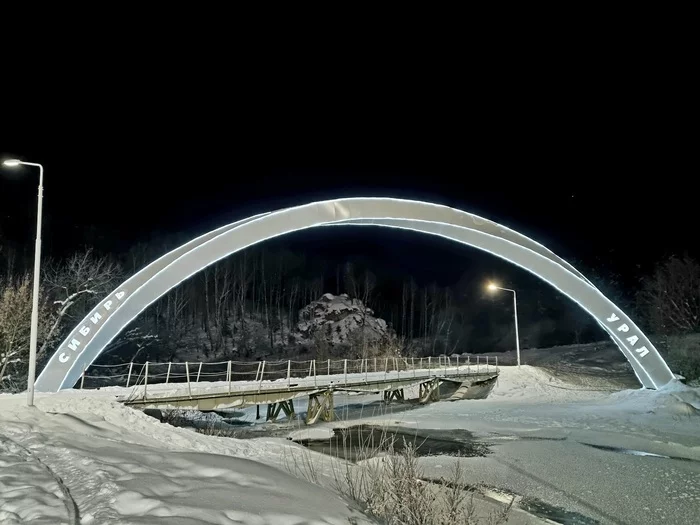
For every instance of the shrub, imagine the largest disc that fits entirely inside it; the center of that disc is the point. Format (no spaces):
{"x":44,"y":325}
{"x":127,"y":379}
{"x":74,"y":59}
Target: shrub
{"x":390,"y":484}
{"x":683,"y":355}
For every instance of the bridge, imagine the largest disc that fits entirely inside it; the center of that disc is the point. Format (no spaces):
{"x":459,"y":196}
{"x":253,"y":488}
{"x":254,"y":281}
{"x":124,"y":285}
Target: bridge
{"x":277,"y":384}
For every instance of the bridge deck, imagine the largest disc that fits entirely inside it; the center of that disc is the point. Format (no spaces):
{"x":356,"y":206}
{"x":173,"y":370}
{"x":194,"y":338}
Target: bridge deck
{"x":219,"y":395}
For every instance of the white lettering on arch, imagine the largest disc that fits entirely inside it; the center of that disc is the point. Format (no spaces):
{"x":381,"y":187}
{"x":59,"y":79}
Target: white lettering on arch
{"x":642,"y":351}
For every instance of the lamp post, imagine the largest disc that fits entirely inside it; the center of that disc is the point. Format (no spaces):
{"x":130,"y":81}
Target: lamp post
{"x":492,"y":288}
{"x":37,"y":277}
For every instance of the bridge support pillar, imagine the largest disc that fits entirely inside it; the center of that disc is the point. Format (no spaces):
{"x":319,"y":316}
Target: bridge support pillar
{"x":429,"y":391}
{"x":389,"y":395}
{"x":320,"y":405}
{"x":274,"y":409}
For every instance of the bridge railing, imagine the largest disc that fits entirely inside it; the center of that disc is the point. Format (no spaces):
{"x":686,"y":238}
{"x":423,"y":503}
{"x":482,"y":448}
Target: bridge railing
{"x":280,"y":374}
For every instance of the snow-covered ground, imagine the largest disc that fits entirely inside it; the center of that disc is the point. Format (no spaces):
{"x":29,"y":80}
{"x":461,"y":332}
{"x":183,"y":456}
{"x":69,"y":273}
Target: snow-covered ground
{"x":83,"y":456}
{"x":122,"y":467}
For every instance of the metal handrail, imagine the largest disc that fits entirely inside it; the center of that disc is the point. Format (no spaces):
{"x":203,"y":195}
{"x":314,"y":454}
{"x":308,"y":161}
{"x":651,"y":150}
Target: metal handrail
{"x":285,"y":371}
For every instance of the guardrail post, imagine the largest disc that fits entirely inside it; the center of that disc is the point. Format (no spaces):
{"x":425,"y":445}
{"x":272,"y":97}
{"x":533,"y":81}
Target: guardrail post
{"x":199,"y":371}
{"x":429,"y":365}
{"x":82,"y":379}
{"x":128,"y":377}
{"x":167,"y":376}
{"x":289,"y":374}
{"x":366,"y":370}
{"x":446,"y":358}
{"x":496,"y":362}
{"x":477,"y":364}
{"x":145,"y":381}
{"x":262,"y":373}
{"x":187,"y":373}
{"x":457,"y":361}
{"x":345,"y":370}
{"x":375,"y":364}
{"x":311,"y":364}
{"x":329,"y":367}
{"x":487,"y":364}
{"x":413,"y":365}
{"x":228,"y":376}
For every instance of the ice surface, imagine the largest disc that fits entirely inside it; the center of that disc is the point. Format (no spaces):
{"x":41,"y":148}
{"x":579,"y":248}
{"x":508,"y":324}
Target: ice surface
{"x":120,"y":466}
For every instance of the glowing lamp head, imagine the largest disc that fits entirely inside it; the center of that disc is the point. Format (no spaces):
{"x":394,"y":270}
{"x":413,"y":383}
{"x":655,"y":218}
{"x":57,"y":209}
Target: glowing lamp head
{"x":11,"y":163}
{"x":492,"y":287}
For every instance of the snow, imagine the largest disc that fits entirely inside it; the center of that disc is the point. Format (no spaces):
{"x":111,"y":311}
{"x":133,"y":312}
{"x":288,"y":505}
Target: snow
{"x":557,"y":442}
{"x":337,"y":317}
{"x":85,"y":450}
{"x":121,"y":466}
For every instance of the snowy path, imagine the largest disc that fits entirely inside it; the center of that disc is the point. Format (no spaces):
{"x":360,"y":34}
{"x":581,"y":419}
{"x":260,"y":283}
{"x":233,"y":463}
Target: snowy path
{"x":123,"y":467}
{"x":22,"y":503}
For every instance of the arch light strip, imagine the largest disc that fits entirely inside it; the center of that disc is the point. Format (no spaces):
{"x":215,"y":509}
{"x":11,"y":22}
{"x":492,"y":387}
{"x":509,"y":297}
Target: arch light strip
{"x":93,"y":334}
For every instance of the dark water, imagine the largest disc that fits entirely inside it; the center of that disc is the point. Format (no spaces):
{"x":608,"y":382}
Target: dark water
{"x":360,"y":441}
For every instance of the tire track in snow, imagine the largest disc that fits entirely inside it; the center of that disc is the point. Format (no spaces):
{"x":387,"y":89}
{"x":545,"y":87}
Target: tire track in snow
{"x":13,"y":448}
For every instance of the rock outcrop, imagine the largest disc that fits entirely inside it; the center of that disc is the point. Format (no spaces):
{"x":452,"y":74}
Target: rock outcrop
{"x":339,"y":319}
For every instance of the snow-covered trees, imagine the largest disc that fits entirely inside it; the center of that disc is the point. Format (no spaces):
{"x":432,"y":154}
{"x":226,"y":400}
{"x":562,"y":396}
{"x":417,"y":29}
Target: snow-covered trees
{"x":15,"y":328}
{"x":68,"y":290}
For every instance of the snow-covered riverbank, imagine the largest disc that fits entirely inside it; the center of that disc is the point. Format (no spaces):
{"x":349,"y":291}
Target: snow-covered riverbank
{"x":123,"y":467}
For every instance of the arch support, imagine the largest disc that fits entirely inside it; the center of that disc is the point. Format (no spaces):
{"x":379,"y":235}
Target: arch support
{"x":89,"y":338}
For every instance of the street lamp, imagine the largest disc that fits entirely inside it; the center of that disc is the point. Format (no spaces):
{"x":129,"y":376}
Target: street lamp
{"x":492,"y":288}
{"x":37,"y":277}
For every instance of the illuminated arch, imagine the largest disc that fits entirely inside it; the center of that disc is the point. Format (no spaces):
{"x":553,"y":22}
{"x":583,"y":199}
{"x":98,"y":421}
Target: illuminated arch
{"x":89,"y":338}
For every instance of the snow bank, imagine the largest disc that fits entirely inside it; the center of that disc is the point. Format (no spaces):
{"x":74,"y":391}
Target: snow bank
{"x":674,"y":399}
{"x":531,"y":384}
{"x":123,"y":467}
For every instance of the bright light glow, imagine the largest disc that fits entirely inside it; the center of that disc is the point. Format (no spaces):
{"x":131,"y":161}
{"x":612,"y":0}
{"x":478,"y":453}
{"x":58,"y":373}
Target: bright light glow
{"x":157,"y":278}
{"x":11,"y":163}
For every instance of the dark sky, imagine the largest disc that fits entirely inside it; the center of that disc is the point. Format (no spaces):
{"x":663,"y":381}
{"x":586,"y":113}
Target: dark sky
{"x":603,"y":183}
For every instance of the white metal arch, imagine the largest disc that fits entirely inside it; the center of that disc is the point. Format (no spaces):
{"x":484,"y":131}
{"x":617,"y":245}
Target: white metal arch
{"x":89,"y":338}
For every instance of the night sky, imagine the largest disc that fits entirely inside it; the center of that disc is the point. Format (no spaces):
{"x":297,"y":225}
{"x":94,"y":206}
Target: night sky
{"x":601,"y":187}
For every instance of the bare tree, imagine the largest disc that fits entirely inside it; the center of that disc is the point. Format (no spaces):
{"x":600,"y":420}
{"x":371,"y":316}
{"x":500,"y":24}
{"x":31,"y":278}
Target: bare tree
{"x":671,"y":297}
{"x":74,"y":287}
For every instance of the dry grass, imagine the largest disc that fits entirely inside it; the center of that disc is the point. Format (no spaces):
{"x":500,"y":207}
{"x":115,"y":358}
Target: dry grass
{"x":389,"y":483}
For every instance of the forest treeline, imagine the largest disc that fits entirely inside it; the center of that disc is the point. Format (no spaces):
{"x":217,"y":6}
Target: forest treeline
{"x":248,"y":305}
